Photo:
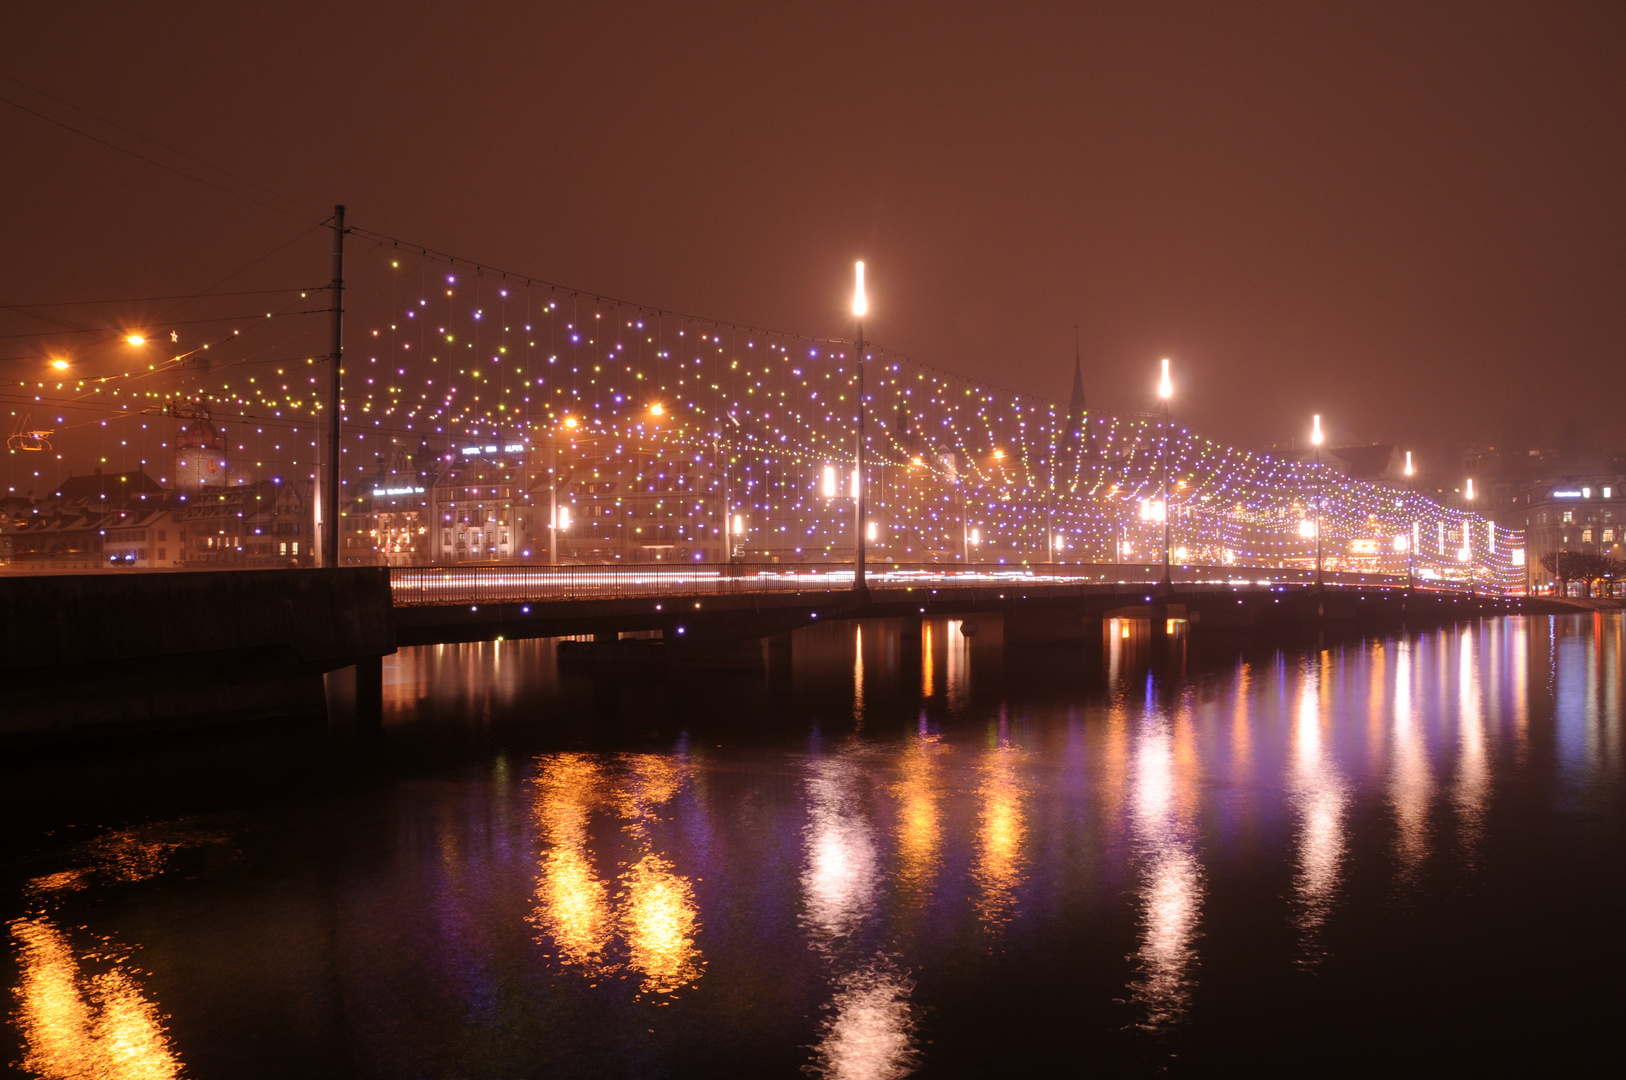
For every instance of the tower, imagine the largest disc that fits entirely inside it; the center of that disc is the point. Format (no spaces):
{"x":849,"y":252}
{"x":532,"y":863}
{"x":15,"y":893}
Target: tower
{"x":200,"y":449}
{"x":1079,"y":437}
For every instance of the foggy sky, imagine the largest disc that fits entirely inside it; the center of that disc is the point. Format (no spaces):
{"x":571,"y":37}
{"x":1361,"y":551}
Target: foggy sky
{"x":1408,"y":221}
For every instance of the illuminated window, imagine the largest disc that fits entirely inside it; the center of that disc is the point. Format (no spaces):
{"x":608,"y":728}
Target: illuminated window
{"x":1586,"y":536}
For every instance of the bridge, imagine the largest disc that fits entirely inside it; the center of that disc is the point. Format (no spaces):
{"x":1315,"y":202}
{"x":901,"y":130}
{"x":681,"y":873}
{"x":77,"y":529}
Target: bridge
{"x":532,"y":460}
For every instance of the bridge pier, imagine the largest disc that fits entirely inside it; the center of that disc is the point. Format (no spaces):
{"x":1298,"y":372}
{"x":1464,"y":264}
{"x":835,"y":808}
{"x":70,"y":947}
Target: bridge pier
{"x":102,"y":654}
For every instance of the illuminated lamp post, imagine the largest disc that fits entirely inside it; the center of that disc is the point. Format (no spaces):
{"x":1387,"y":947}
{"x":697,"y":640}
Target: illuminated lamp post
{"x":1316,"y":437}
{"x":860,"y":309}
{"x":1165,"y":390}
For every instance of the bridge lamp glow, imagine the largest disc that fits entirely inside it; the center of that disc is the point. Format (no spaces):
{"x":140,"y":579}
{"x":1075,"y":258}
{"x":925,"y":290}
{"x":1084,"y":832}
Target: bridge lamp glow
{"x":852,"y":486}
{"x":1402,"y":543}
{"x":563,"y":520}
{"x":1464,"y":554}
{"x":976,"y":537}
{"x":739,"y":524}
{"x":1307,"y":528}
{"x":1409,"y":470}
{"x":570,"y":422}
{"x":1165,"y":388}
{"x":1315,"y":435}
{"x":860,"y":301}
{"x":872,"y":531}
{"x":657,"y":410}
{"x":829,"y":481}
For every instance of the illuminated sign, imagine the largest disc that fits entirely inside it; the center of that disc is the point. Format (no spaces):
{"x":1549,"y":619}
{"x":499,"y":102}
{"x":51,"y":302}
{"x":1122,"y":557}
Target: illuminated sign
{"x":1566,"y":494}
{"x":386,"y":492}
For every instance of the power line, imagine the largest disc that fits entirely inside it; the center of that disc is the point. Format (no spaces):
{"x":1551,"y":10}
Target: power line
{"x":152,"y":161}
{"x":153,"y":299}
{"x":117,"y":331}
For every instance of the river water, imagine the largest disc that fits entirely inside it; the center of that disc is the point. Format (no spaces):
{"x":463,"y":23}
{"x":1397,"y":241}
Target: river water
{"x":1398,"y":854}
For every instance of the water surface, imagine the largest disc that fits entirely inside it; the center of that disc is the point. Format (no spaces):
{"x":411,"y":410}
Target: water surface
{"x":935,"y":859}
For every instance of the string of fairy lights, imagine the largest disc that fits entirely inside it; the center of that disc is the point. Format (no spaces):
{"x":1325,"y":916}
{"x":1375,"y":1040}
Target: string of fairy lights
{"x":761,"y":428}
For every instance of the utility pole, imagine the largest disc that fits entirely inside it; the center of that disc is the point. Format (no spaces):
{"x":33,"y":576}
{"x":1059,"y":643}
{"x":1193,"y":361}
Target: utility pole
{"x":330,"y":478}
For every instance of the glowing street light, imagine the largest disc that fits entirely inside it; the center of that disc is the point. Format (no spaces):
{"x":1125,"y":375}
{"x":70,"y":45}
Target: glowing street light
{"x":657,"y":410}
{"x":136,"y":339}
{"x":60,"y":364}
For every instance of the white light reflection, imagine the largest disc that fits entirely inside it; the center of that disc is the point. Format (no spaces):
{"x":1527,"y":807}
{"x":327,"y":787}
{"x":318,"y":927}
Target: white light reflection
{"x":868,"y":1033}
{"x":841,"y":874}
{"x":1472,"y":788}
{"x":958,"y":664}
{"x":1320,"y":795}
{"x":1411,"y":785}
{"x":1171,"y":891}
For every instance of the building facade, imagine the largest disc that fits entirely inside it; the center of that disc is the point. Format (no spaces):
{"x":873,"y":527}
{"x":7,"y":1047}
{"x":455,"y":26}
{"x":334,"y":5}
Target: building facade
{"x":1572,"y":513}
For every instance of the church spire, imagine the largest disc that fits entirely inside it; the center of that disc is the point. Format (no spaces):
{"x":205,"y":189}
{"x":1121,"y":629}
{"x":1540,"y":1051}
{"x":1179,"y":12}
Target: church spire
{"x":1078,"y":417}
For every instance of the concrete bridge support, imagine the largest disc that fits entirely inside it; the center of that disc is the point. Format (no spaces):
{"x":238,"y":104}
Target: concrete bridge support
{"x":133,"y":653}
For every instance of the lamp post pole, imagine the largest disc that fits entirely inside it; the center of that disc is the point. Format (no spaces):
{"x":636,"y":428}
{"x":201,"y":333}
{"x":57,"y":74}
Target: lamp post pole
{"x":860,"y":309}
{"x":1315,"y":437}
{"x":1165,"y":390}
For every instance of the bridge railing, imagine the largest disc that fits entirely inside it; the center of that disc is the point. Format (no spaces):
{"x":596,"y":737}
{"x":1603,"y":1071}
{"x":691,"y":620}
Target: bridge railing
{"x":491,"y":584}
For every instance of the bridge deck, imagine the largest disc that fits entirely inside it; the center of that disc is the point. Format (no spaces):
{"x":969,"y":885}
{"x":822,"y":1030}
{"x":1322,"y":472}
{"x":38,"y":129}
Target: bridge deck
{"x":415,"y":586}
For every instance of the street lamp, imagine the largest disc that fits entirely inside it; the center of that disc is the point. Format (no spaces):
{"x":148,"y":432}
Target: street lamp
{"x":1165,"y":390}
{"x":1315,"y":437}
{"x":860,"y":309}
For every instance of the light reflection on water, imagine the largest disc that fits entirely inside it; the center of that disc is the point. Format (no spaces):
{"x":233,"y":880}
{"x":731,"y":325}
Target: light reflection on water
{"x":1171,"y":891}
{"x":1001,"y":845}
{"x":1320,"y":797}
{"x":943,"y":821}
{"x":653,"y":910}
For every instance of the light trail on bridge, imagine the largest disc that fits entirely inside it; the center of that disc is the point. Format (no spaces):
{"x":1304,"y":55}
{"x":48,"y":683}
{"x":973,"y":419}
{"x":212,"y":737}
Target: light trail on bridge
{"x":447,"y":585}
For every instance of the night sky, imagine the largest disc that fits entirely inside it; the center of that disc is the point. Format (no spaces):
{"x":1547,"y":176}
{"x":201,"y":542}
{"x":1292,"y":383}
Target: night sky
{"x":1411,"y":222}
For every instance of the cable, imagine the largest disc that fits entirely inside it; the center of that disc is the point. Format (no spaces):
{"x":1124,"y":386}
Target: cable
{"x":153,"y":299}
{"x":116,"y":331}
{"x":152,"y":161}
